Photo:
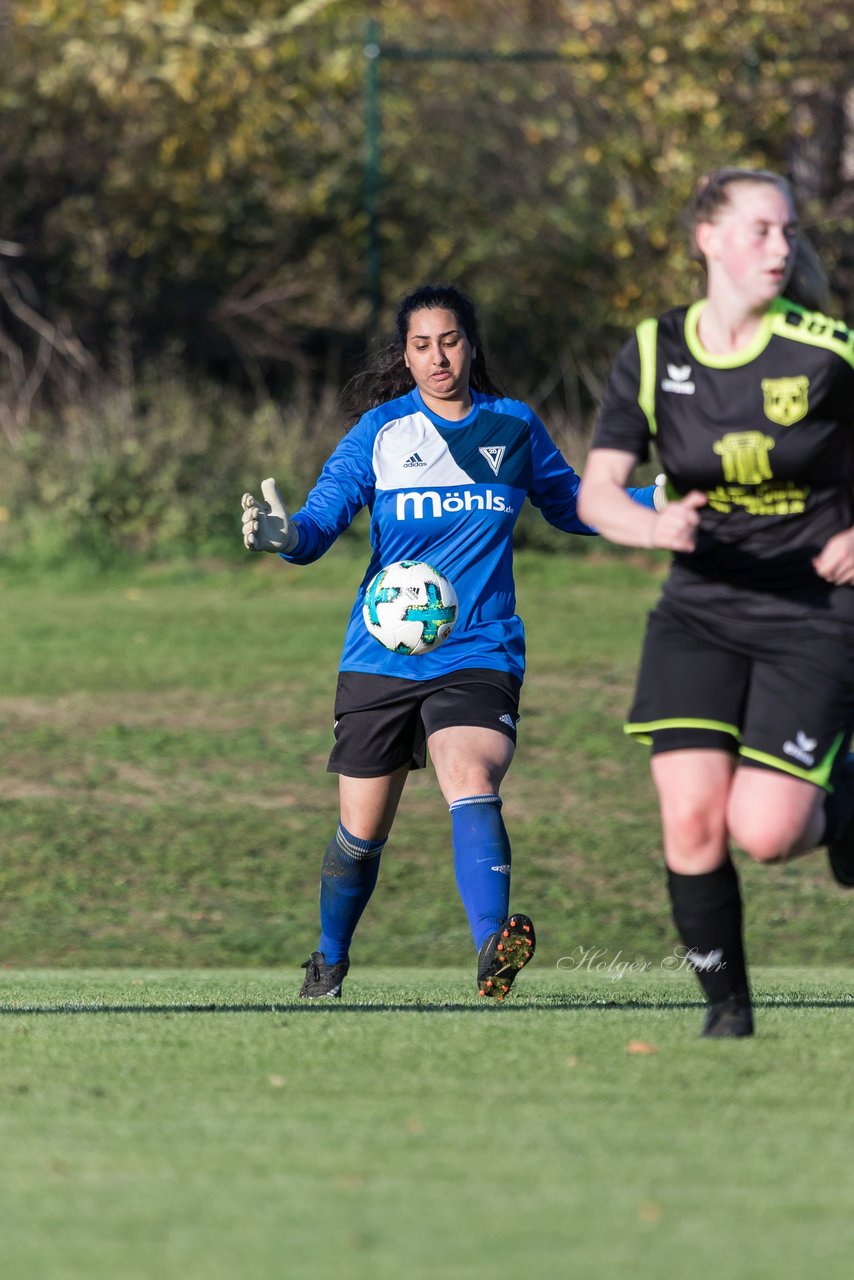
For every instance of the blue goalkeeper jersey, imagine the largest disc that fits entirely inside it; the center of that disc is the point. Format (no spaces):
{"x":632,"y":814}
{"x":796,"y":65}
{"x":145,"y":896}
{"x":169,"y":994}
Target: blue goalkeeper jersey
{"x":449,"y":493}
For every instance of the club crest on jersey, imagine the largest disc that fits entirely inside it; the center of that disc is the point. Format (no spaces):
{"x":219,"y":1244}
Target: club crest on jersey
{"x":494,"y":454}
{"x":786,"y":399}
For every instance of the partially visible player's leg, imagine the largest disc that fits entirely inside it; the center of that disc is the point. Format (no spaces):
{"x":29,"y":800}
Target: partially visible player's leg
{"x":693,"y":787}
{"x":773,"y":816}
{"x":377,"y":730}
{"x":799,"y":792}
{"x":471,"y":762}
{"x":348,"y":874}
{"x":470,"y":765}
{"x":838,"y":832}
{"x":688,"y":703}
{"x":351,"y":860}
{"x":368,"y":806}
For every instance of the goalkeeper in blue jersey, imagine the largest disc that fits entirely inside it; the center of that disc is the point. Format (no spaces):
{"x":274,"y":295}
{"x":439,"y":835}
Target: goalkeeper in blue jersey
{"x":443,"y":462}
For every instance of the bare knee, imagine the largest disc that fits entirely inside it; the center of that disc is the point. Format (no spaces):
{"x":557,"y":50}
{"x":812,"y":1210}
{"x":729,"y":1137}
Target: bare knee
{"x":772,"y":817}
{"x":694,"y":835}
{"x":466,"y":778}
{"x":469,"y":761}
{"x":693,"y":787}
{"x":762,"y":838}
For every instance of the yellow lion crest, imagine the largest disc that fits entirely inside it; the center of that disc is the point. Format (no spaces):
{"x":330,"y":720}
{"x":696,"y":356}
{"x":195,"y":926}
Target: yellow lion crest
{"x":786,"y":399}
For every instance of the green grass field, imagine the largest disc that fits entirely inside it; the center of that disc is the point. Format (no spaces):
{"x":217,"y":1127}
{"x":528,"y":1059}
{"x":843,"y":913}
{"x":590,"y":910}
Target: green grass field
{"x":164,"y":800}
{"x":168,"y":1109}
{"x":169,"y":1124}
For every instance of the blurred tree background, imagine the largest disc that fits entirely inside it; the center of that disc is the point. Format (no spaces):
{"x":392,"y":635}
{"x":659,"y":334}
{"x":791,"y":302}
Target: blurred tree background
{"x":208,"y":207}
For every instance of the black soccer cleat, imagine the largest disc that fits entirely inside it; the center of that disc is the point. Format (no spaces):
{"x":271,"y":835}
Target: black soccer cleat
{"x":730,"y":1017}
{"x":502,"y":956}
{"x":322,"y":979}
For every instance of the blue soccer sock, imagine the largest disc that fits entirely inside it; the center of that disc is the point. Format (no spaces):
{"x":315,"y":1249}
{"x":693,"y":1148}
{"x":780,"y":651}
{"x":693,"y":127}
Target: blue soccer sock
{"x":347,"y":879}
{"x":481,"y":863}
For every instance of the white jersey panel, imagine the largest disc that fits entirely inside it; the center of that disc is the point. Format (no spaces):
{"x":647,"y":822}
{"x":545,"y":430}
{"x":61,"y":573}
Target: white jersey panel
{"x":410,"y":453}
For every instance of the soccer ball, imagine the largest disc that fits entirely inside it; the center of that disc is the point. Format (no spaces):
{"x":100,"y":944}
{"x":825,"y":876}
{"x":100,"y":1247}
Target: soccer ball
{"x":410,"y":607}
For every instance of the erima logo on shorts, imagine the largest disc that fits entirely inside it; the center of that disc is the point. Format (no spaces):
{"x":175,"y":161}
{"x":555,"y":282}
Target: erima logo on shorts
{"x":802,"y":748}
{"x":415,"y":504}
{"x":678,"y":380}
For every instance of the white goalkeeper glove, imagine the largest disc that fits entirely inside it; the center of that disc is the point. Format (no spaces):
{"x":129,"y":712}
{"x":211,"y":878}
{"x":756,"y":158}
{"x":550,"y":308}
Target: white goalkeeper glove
{"x":267,"y":525}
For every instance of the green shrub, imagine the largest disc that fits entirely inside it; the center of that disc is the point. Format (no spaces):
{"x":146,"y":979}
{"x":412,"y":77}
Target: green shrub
{"x":152,"y":473}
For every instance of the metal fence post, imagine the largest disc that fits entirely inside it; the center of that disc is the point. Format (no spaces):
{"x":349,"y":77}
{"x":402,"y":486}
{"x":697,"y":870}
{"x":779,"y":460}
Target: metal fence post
{"x":373,"y":125}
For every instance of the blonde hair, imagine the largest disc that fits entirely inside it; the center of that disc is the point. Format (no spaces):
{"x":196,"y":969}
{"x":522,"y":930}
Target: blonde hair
{"x":807,"y":285}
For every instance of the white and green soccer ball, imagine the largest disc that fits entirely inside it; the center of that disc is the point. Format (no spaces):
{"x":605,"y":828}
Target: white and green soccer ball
{"x":410,"y":607}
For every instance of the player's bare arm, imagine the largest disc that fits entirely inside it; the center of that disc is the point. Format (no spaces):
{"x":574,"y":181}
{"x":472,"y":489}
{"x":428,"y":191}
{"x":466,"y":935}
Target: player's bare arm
{"x":604,"y":503}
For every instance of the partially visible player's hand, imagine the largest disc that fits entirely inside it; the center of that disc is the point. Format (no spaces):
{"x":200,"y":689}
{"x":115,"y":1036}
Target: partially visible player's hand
{"x":675,"y":527}
{"x":835,"y":561}
{"x":267,"y":525}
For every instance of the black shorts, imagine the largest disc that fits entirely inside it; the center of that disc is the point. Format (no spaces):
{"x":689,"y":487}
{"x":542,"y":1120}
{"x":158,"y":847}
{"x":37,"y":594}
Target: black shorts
{"x":383,"y":722}
{"x":778,"y":697}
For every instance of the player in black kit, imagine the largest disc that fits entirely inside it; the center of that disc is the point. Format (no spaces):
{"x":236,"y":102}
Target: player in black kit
{"x":746,"y":685}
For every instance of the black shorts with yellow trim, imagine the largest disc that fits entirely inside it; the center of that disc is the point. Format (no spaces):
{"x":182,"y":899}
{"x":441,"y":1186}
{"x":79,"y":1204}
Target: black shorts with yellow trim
{"x":383,"y":722}
{"x":777,"y":696}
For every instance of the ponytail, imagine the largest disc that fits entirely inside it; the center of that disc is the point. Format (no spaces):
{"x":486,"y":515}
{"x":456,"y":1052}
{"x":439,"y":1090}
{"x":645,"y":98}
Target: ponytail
{"x":808,"y":285}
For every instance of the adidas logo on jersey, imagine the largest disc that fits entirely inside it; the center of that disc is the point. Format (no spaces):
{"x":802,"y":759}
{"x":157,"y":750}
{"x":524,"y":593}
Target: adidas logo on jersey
{"x":415,"y":460}
{"x":678,"y":380}
{"x":507,"y":719}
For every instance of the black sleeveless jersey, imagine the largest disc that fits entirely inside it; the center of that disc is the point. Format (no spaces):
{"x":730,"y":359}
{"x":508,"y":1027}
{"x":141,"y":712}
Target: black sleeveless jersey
{"x":767,"y":434}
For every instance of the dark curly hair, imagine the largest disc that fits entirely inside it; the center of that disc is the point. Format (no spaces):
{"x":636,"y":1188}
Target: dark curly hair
{"x":386,"y":376}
